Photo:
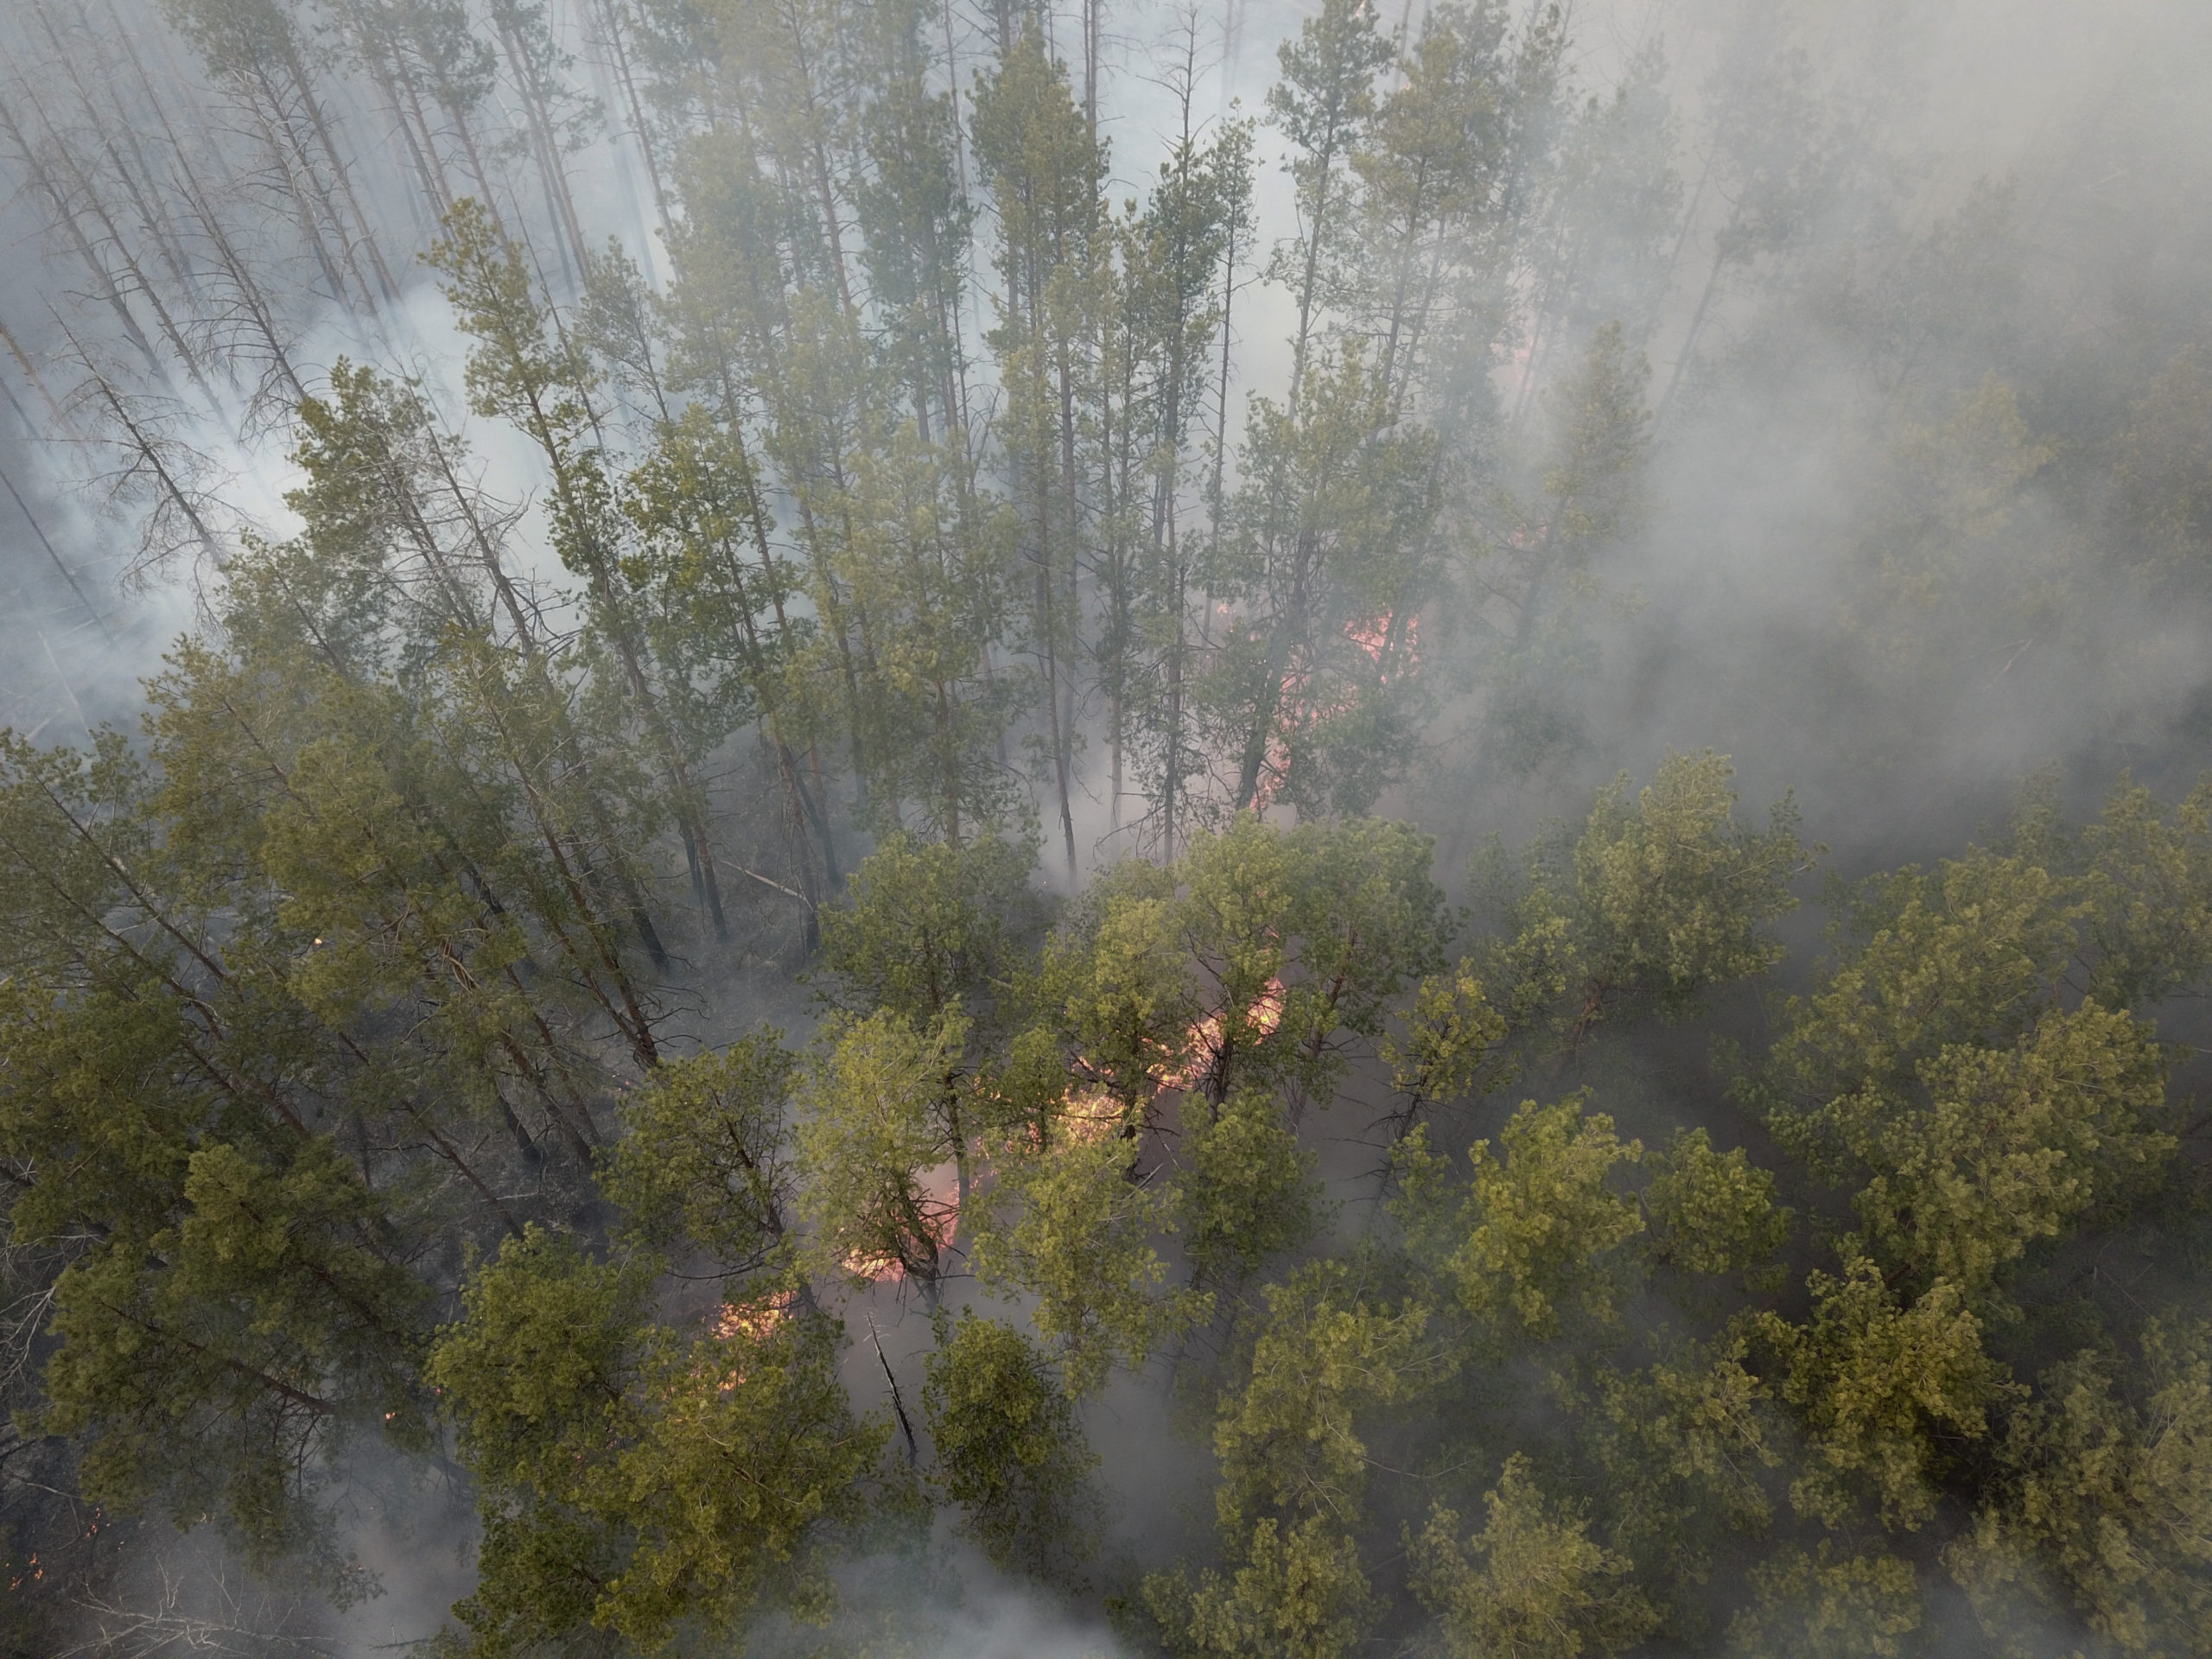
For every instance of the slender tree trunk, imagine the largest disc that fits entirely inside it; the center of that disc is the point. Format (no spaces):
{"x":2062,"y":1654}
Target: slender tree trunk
{"x":65,"y":220}
{"x":113,"y":237}
{"x":1696,"y":327}
{"x":312,"y":107}
{"x":1324,"y":166}
{"x":544,"y":146}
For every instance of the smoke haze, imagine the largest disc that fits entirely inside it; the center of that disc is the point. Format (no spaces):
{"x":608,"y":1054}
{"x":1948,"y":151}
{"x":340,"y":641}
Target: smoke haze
{"x":1893,"y":327}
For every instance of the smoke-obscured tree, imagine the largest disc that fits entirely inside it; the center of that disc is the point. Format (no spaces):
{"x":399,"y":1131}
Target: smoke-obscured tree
{"x":1603,"y":248}
{"x":1297,"y":1591}
{"x":1779,"y":156}
{"x":1044,"y":168}
{"x":1008,"y":1448}
{"x":1170,"y":305}
{"x":1830,"y":1602}
{"x":528,"y":369}
{"x":1444,"y":190}
{"x":1313,"y":692}
{"x":255,"y":50}
{"x":1322,"y":104}
{"x":2109,"y":1464}
{"x":1532,"y":1582}
{"x":632,"y":1481}
{"x":1532,"y":580}
{"x":1604,"y":1263}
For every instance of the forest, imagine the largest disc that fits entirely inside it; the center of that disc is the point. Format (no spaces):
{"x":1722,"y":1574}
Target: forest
{"x":1106,"y":828}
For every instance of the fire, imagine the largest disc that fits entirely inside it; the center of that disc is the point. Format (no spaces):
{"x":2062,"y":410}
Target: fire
{"x":1265,"y":1015}
{"x":1373,"y":638}
{"x":1090,"y":1115}
{"x":1261,"y":1021}
{"x":939,"y":1215}
{"x":748,"y":1322}
{"x":755,"y":1322}
{"x":1301,"y":707}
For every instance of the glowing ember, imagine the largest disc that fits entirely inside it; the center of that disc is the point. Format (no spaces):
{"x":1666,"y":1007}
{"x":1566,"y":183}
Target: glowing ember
{"x":939,"y":1214}
{"x":753,"y":1322}
{"x":1299,"y":708}
{"x":1261,"y":1021}
{"x":1090,"y":1116}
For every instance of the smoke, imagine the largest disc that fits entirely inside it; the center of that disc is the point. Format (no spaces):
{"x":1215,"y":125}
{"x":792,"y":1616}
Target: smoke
{"x":1003,"y":1620}
{"x":190,"y":1594}
{"x":977,"y":1611}
{"x":1861,"y":569}
{"x":1862,"y":573}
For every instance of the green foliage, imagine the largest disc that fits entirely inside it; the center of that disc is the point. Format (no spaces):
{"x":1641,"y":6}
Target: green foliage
{"x":1116,"y":991}
{"x":1651,"y":906}
{"x":1369,"y":922}
{"x":1008,"y":1448}
{"x":1712,"y":1213}
{"x":2139,"y":875}
{"x":1261,"y":957}
{"x":1238,"y":887}
{"x":925,"y":925}
{"x":875,"y":1122}
{"x":631,"y":1481}
{"x":1672,"y":894}
{"x":1310,"y":687}
{"x":313,"y":988}
{"x":1886,"y":1387}
{"x":1648,"y":907}
{"x":1531,"y":1584}
{"x":1327,"y":1349}
{"x":1544,"y":1222}
{"x":2012,"y":1144}
{"x":331,"y":982}
{"x":2107,"y":1487}
{"x":1830,"y":1605}
{"x":1322,"y":104}
{"x":705,"y":1163}
{"x":1080,"y":1241}
{"x":1452,"y":1032}
{"x":1969,"y":955}
{"x":357,"y":960}
{"x":1300,"y":1594}
{"x":1246,"y":1192}
{"x":1314,"y":932}
{"x":1684,"y":1442}
{"x":211,"y":1356}
{"x":1944,"y":1069}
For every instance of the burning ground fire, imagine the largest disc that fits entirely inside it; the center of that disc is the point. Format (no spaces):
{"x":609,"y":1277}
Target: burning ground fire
{"x":1301,"y":710}
{"x":940,"y":1221}
{"x":1088,"y":1115}
{"x":1261,"y":1021}
{"x":749,"y":1322}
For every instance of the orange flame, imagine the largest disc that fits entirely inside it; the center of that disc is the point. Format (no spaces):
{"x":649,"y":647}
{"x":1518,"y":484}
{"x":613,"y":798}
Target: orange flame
{"x":1090,"y":1115}
{"x":1261,"y":1021}
{"x":940,"y":1219}
{"x":1301,"y":709}
{"x":753,"y":1323}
